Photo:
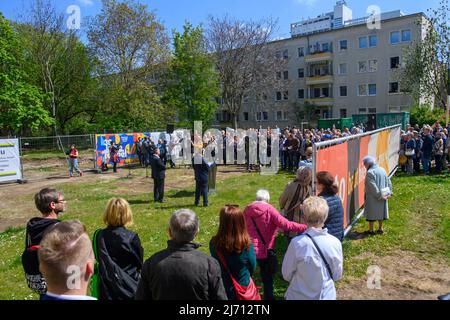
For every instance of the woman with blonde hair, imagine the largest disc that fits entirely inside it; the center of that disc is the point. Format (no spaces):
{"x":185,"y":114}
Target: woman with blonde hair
{"x":119,"y":253}
{"x":233,"y":248}
{"x":313,"y":260}
{"x":293,"y":196}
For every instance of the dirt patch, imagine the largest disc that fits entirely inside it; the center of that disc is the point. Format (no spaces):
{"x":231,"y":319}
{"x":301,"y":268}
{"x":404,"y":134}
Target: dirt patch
{"x":404,"y":276}
{"x":17,"y":205}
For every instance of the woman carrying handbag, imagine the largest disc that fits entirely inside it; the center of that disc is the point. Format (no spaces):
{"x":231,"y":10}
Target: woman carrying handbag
{"x":233,"y":248}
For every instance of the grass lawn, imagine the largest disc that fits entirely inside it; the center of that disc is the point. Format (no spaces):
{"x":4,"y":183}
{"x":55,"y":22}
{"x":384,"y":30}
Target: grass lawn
{"x":420,"y":222}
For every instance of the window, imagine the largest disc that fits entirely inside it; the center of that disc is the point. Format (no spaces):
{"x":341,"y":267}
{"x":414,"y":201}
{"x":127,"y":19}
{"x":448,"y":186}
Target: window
{"x":301,"y":52}
{"x":372,"y":89}
{"x":394,"y":109}
{"x":343,"y":113}
{"x":279,"y":115}
{"x":265,"y":116}
{"x":362,"y":66}
{"x":362,"y":90}
{"x":362,"y":110}
{"x":373,"y":41}
{"x":373,"y":65}
{"x":363,"y":42}
{"x":301,"y":93}
{"x":316,"y":92}
{"x":278,"y":75}
{"x":342,"y":45}
{"x":278,"y":96}
{"x":406,"y":35}
{"x":393,"y":87}
{"x":285,"y":54}
{"x":395,"y":37}
{"x":343,"y":91}
{"x":245,"y":116}
{"x":372,"y":110}
{"x":325,"y":92}
{"x":395,"y":62}
{"x":342,"y":68}
{"x":285,"y":95}
{"x":286,"y":75}
{"x":301,"y":73}
{"x":325,"y":47}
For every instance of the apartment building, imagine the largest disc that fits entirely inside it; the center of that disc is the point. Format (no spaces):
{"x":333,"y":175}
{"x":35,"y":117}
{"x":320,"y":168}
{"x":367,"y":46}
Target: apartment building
{"x":337,"y":66}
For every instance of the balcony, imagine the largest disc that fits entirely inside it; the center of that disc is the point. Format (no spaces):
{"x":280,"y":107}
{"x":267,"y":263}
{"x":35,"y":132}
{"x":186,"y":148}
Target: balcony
{"x":319,"y":56}
{"x":322,"y":79}
{"x":321,"y":101}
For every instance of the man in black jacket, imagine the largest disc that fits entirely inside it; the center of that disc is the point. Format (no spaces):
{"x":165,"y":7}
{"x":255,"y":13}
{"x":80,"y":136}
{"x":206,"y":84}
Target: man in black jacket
{"x":50,"y":203}
{"x":201,"y":170}
{"x":158,"y":175}
{"x":181,"y":272}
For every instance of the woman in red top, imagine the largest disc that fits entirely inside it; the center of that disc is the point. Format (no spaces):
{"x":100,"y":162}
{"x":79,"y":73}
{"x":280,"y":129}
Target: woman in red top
{"x":73,"y":161}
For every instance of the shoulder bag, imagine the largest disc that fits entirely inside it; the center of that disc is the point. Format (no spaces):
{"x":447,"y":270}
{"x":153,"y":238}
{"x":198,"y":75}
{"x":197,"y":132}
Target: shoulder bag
{"x":271,"y":267}
{"x":321,"y":255}
{"x":249,"y":292}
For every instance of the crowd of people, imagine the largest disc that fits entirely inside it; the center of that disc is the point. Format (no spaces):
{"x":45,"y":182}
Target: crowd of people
{"x":57,"y":251}
{"x":421,"y":146}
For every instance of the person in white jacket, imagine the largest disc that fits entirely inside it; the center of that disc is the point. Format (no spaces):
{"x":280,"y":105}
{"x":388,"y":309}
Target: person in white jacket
{"x":304,"y":267}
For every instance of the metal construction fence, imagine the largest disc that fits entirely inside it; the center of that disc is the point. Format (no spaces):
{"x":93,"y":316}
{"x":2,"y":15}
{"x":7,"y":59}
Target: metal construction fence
{"x":86,"y":141}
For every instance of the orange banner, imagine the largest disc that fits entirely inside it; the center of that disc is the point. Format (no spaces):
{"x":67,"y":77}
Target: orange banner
{"x":334,"y":160}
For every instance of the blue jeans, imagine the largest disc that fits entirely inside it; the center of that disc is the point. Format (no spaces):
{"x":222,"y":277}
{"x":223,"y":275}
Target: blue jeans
{"x":73,"y":164}
{"x":267,"y":280}
{"x":426,"y":163}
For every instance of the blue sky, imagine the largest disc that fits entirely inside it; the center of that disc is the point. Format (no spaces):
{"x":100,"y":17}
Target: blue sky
{"x":173,"y":13}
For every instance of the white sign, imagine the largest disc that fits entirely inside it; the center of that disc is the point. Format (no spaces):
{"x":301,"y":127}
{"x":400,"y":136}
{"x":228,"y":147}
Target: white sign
{"x":10,"y":160}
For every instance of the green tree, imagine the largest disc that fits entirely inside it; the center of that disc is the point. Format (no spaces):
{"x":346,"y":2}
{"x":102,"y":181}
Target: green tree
{"x":192,"y":82}
{"x":59,"y":63}
{"x":426,"y":115}
{"x":131,"y":47}
{"x":21,"y":104}
{"x":425,"y":73}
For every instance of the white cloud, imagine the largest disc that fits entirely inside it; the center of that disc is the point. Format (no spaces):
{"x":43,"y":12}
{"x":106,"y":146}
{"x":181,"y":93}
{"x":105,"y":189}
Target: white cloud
{"x":86,"y":2}
{"x":308,"y":3}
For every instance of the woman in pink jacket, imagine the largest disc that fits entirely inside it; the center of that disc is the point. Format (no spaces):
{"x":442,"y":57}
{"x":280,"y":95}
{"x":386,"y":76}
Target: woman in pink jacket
{"x":263,"y":220}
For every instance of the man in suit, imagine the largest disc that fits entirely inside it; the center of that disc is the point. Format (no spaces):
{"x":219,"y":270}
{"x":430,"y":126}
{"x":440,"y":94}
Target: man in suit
{"x":158,"y":176}
{"x":201,"y":170}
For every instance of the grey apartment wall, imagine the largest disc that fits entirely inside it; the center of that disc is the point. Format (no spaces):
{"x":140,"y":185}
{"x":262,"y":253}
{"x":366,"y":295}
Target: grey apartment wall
{"x":383,"y":101}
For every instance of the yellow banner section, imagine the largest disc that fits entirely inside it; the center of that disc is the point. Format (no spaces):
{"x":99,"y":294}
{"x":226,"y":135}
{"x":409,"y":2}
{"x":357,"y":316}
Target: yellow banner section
{"x":9,"y":173}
